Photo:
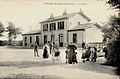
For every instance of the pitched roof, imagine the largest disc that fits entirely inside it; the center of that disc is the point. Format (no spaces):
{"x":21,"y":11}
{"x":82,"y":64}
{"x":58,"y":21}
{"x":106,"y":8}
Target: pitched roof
{"x":84,"y":26}
{"x":65,"y":16}
{"x":33,"y":32}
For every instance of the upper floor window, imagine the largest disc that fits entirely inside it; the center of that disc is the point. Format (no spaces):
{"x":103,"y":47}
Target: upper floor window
{"x":74,"y":38}
{"x":45,"y":27}
{"x":52,"y":26}
{"x":60,"y":25}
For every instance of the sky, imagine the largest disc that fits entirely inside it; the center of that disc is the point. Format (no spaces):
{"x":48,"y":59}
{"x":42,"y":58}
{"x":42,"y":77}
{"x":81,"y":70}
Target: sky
{"x":28,"y":13}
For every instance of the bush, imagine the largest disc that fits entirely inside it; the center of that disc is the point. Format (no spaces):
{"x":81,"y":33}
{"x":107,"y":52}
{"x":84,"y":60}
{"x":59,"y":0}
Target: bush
{"x":113,"y":57}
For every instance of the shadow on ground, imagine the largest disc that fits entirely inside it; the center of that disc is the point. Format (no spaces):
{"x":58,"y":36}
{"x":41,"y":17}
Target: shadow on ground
{"x":94,"y":67}
{"x":30,"y":76}
{"x":27,"y":64}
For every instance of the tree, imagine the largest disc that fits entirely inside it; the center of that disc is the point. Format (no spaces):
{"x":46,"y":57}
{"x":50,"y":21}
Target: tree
{"x":114,"y":3}
{"x":12,"y":31}
{"x":113,"y":33}
{"x":2,"y":29}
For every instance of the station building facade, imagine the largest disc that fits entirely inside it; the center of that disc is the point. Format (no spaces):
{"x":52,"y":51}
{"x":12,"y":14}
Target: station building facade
{"x":73,"y":28}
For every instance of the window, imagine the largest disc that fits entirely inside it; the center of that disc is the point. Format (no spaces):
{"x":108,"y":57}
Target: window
{"x":61,"y":39}
{"x":60,"y":25}
{"x":30,"y":39}
{"x":45,"y":39}
{"x":25,"y":39}
{"x":45,"y":27}
{"x":52,"y":38}
{"x":74,"y":38}
{"x":52,"y":26}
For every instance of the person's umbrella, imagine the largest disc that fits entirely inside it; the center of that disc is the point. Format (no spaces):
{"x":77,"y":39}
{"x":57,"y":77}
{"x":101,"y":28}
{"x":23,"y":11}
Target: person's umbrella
{"x":72,"y":47}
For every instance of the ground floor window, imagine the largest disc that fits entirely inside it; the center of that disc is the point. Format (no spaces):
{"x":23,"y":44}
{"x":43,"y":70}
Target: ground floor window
{"x":30,"y":39}
{"x":45,"y":39}
{"x":74,"y":38}
{"x":61,"y":40}
{"x":53,"y":38}
{"x":25,"y":43}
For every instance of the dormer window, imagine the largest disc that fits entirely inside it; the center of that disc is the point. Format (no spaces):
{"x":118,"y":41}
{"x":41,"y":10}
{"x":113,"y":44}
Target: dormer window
{"x":45,"y":27}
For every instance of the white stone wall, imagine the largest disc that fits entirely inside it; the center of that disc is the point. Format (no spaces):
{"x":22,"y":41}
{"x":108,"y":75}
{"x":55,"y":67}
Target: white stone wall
{"x":56,"y":21}
{"x":93,"y":35}
{"x":68,"y":23}
{"x":80,"y":37}
{"x":55,"y":32}
{"x":73,"y":21}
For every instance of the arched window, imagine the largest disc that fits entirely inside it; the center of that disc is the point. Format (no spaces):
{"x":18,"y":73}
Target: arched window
{"x":74,"y":38}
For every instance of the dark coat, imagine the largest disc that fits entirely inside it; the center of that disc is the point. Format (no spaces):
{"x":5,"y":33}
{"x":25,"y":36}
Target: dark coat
{"x":86,"y":54}
{"x":72,"y":56}
{"x":45,"y":53}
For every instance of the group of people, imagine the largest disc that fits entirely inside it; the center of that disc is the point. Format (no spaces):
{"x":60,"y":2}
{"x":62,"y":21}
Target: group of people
{"x":48,"y":49}
{"x":90,"y":54}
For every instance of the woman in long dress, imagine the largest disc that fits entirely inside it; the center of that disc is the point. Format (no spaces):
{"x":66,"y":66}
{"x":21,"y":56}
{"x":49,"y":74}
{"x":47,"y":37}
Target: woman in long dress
{"x":72,"y":54}
{"x":45,"y":51}
{"x":93,"y":54}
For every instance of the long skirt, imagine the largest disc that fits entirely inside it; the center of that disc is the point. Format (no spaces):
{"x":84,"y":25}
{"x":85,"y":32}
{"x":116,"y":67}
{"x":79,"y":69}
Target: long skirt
{"x":45,"y":54}
{"x":72,"y":57}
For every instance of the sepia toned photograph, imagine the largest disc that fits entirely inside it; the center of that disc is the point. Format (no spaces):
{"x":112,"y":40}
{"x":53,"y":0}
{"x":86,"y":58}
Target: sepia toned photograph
{"x":59,"y":39}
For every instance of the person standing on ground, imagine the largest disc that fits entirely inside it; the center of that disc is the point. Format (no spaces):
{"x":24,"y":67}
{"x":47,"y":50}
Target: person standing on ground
{"x":94,"y":54}
{"x":46,"y":51}
{"x":106,"y":51}
{"x":36,"y":50}
{"x":88,"y":53}
{"x":50,"y":46}
{"x":55,"y":53}
{"x":83,"y":45}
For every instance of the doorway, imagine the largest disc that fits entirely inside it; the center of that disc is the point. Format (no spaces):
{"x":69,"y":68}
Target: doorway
{"x":60,"y":40}
{"x":45,"y":39}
